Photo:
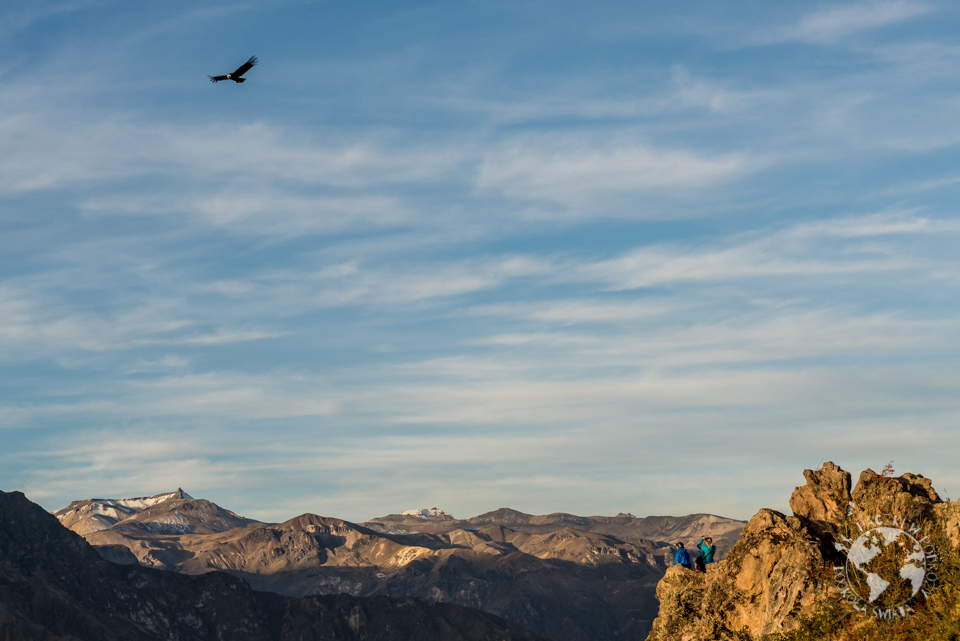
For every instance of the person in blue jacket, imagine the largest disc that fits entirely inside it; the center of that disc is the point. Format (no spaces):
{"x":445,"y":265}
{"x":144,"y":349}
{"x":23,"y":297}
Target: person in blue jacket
{"x":708,"y":548}
{"x":682,"y":557}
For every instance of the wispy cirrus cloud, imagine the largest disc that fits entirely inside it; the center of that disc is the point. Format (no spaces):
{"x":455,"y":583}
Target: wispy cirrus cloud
{"x":388,"y":272}
{"x":575,"y":169}
{"x":221,"y":396}
{"x":18,"y":16}
{"x":33,"y":322}
{"x":45,"y":152}
{"x":796,"y":251}
{"x":831,"y":22}
{"x":265,"y":210}
{"x":35,"y":313}
{"x":528,"y":410}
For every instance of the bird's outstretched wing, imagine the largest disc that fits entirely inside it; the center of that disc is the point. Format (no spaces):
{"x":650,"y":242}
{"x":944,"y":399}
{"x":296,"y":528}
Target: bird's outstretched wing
{"x":216,"y":78}
{"x":245,"y":67}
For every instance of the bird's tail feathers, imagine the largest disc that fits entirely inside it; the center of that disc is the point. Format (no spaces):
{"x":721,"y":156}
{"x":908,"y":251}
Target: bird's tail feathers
{"x":240,"y":79}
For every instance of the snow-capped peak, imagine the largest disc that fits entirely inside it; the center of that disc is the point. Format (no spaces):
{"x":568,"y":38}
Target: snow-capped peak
{"x":426,"y":512}
{"x":94,"y":515}
{"x":143,"y":503}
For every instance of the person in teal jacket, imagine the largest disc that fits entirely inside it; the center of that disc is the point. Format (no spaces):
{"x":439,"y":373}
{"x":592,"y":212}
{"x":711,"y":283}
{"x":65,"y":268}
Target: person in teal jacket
{"x":708,"y":548}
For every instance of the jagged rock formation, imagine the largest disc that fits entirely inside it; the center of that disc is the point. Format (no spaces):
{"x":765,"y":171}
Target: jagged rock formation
{"x":825,"y":498}
{"x":55,"y":587}
{"x":779,"y":579}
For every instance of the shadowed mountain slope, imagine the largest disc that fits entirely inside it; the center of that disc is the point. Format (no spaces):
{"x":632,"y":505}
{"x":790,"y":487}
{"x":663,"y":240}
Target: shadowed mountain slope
{"x":55,"y":587}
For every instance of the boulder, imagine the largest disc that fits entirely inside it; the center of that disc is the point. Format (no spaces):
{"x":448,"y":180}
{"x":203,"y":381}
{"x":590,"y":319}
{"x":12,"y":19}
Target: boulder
{"x":825,"y":498}
{"x":911,"y":497}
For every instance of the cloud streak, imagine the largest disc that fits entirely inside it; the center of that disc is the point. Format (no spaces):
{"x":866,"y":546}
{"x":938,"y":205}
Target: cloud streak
{"x":831,"y":23}
{"x":552,"y":267}
{"x":573,"y":170}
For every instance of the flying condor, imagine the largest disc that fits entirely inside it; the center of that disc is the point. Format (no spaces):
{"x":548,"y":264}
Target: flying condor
{"x":236,"y":76}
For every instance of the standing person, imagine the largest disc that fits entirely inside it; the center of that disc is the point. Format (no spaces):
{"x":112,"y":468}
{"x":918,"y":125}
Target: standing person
{"x":708,"y":548}
{"x":682,"y":557}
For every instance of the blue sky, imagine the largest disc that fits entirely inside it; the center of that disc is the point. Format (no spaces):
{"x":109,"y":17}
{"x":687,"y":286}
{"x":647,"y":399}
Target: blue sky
{"x":655,"y":258}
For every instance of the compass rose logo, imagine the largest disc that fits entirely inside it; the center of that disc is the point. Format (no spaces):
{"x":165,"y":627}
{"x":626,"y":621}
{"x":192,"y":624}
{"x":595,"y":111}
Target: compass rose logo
{"x":889,"y":566}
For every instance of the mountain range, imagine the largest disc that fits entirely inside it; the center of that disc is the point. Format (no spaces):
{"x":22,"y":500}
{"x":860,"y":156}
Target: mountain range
{"x":55,"y":587}
{"x":725,"y":532}
{"x":567,"y":577}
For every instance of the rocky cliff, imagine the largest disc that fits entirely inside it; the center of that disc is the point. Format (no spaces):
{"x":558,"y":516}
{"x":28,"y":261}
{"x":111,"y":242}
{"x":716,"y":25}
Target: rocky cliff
{"x":876,"y":562}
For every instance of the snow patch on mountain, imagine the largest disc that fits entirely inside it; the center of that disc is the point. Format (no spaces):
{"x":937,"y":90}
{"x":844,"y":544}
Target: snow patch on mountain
{"x":94,"y":515}
{"x":425,"y":513}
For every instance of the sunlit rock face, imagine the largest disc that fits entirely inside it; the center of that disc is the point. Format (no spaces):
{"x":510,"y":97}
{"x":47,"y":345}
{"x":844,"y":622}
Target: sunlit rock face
{"x":782,"y":567}
{"x":825,"y":498}
{"x":948,"y":515}
{"x":765,"y":581}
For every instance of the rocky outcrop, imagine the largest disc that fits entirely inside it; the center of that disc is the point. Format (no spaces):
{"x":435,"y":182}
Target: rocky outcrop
{"x":763,"y":584}
{"x":779,"y":576}
{"x":825,"y":498}
{"x":910,"y":496}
